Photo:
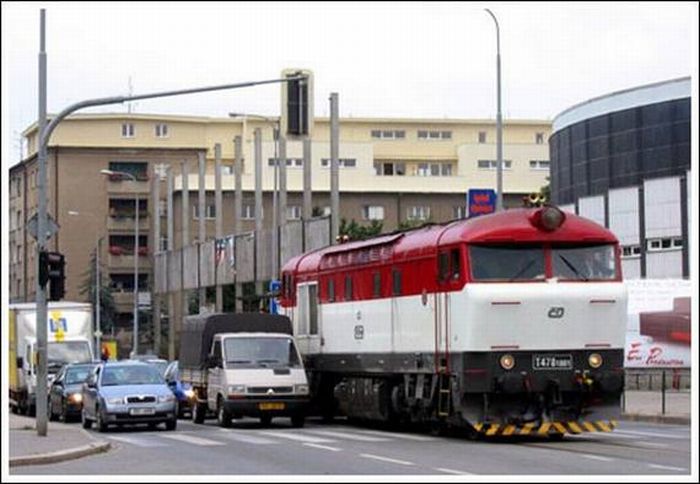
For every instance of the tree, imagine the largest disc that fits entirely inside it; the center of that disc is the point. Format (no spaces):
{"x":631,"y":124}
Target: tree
{"x":413,"y":224}
{"x":355,"y":231}
{"x":88,"y":288}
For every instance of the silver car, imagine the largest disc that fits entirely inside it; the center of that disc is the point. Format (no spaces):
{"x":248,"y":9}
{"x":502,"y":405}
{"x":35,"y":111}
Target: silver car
{"x":127,"y":392}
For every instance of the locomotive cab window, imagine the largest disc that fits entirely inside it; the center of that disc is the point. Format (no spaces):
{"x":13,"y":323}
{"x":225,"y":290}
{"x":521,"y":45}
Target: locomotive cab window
{"x":584,"y":262}
{"x":507,"y":262}
{"x":449,"y":265}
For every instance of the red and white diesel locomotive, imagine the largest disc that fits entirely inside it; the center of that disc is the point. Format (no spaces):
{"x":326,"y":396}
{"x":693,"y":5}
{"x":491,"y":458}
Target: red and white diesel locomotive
{"x":509,"y":323}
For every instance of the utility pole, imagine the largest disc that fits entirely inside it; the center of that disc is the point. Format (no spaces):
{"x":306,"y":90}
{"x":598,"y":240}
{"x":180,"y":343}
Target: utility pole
{"x":201,"y":199}
{"x":218,"y":229}
{"x":499,"y":120}
{"x":335,"y":197}
{"x":238,"y":209}
{"x":171,"y":247}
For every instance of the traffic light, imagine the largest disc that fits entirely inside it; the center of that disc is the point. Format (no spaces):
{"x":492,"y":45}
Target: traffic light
{"x":297,"y":103}
{"x":52,"y":270}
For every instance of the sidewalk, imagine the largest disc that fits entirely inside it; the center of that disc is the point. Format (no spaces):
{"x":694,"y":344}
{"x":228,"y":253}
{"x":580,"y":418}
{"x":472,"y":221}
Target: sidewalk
{"x":62,"y":442}
{"x":646,"y":406}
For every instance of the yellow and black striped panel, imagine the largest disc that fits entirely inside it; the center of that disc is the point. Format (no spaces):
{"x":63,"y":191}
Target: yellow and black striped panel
{"x":546,"y":428}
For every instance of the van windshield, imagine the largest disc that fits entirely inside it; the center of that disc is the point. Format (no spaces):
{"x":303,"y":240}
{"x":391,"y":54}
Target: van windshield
{"x":63,"y":352}
{"x":257,"y":352}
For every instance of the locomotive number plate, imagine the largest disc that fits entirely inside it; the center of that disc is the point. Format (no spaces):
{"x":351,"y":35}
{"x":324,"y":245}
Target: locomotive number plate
{"x":552,"y":362}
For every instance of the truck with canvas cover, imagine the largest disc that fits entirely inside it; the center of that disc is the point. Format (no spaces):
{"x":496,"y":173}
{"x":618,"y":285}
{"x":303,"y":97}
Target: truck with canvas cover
{"x":243,"y":364}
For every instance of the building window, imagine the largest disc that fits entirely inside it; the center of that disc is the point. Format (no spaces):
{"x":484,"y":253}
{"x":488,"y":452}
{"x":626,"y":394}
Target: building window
{"x":493,"y":164}
{"x":482,"y":136}
{"x":390,"y":168}
{"x":210,"y":211}
{"x":539,"y":138}
{"x":388,"y":134}
{"x":293,"y":212}
{"x":539,"y":164}
{"x":434,"y":135}
{"x":373,"y":212}
{"x":291,"y":162}
{"x":342,"y":162}
{"x":630,"y":251}
{"x":664,"y":244}
{"x":459,"y":211}
{"x":127,"y":130}
{"x":446,"y":169}
{"x":161,"y":130}
{"x":137,"y":169}
{"x":248,"y":211}
{"x":419,"y":212}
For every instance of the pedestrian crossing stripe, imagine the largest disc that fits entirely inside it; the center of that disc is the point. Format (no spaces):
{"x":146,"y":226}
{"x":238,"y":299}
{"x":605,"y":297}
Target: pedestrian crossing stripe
{"x":545,"y":428}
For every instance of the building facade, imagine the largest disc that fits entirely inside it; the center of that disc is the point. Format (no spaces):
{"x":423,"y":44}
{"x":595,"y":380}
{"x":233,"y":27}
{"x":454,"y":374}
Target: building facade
{"x":623,"y":159}
{"x":391,"y":170}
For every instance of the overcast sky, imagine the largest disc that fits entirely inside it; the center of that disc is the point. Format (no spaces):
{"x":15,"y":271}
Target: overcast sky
{"x":384,"y":59}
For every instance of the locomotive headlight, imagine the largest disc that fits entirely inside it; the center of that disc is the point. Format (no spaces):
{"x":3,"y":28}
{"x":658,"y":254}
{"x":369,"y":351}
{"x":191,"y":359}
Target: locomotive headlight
{"x":595,"y":360}
{"x":507,"y":362}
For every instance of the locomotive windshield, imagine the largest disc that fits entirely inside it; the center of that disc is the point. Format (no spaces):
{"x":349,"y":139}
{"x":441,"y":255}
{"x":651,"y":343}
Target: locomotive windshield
{"x":584,"y":262}
{"x":507,"y":262}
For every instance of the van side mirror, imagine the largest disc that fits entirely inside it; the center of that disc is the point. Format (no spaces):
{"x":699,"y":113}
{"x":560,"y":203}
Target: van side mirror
{"x":20,"y":362}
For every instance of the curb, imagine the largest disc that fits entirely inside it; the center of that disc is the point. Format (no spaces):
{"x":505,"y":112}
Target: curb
{"x":60,"y":456}
{"x":662,"y":419}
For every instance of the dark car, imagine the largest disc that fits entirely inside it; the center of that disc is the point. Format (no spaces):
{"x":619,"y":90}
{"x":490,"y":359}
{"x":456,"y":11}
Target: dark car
{"x":183,"y":391}
{"x":127,"y":392}
{"x":65,"y":393}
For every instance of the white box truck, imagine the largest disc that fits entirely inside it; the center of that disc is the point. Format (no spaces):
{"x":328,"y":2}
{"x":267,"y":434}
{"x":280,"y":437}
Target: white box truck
{"x":69,"y":340}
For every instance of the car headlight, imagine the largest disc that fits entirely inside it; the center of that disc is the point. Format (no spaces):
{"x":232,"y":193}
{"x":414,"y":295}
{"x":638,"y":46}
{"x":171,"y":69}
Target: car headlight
{"x":114,"y":401}
{"x":301,"y":389}
{"x":189,"y":393}
{"x":236,"y":389}
{"x":75,"y":397}
{"x":166,"y":398}
{"x":595,"y":360}
{"x":507,"y":362}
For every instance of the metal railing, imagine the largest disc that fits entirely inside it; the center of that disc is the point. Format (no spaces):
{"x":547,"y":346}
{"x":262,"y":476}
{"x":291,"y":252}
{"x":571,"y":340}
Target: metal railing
{"x":664,"y":382}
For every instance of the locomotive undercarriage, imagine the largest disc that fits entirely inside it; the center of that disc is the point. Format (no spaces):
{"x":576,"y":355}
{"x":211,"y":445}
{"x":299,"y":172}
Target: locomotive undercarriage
{"x":478,"y":397}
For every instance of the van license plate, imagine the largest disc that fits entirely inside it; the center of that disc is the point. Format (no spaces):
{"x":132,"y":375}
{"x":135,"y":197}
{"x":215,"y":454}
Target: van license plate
{"x":271,"y":406}
{"x":142,"y":411}
{"x":552,"y":362}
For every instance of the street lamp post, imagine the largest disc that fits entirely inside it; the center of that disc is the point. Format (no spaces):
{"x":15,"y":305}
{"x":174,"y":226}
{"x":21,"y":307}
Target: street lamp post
{"x":499,"y":120}
{"x":135,"y":349}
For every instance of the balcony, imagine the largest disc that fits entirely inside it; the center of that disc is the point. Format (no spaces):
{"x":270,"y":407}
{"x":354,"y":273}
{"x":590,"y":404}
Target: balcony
{"x":125,"y":221}
{"x":118,"y":185}
{"x":123,"y":258}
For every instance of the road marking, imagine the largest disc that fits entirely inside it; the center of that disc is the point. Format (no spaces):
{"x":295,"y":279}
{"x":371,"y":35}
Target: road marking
{"x":297,"y":436}
{"x":418,"y":438}
{"x":193,"y":440}
{"x":245,"y":437}
{"x":651,"y":434}
{"x":348,"y":436}
{"x":386,"y":459}
{"x":668,"y":468}
{"x":596,"y":457}
{"x":324,"y":447}
{"x":653,"y":444}
{"x":452,"y":471}
{"x":139,"y":442}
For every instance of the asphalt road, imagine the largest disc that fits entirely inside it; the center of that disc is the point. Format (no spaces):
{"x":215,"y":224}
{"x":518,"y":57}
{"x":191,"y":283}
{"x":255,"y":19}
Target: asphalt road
{"x":343,"y":449}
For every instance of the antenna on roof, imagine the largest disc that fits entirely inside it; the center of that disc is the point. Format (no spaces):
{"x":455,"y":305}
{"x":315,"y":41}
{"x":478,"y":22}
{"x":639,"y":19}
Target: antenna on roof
{"x":130,"y":105}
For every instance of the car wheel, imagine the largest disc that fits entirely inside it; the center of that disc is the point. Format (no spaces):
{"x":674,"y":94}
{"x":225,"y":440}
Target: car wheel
{"x":99,"y":421}
{"x":198,"y":412}
{"x":63,"y":416}
{"x":49,"y":411}
{"x":87,"y":423}
{"x":298,"y":421}
{"x":265,"y":420}
{"x":222,"y":415}
{"x":171,"y":424}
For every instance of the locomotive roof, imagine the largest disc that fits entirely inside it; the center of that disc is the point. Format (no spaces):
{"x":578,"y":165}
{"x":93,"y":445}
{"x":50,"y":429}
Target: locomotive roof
{"x":508,"y":226}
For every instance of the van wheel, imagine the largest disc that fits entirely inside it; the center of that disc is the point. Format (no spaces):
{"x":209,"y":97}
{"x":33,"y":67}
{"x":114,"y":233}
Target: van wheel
{"x":298,"y":421}
{"x":222,"y":415}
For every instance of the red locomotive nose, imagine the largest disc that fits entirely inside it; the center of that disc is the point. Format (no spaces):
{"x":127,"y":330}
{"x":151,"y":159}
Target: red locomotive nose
{"x":547,"y":218}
